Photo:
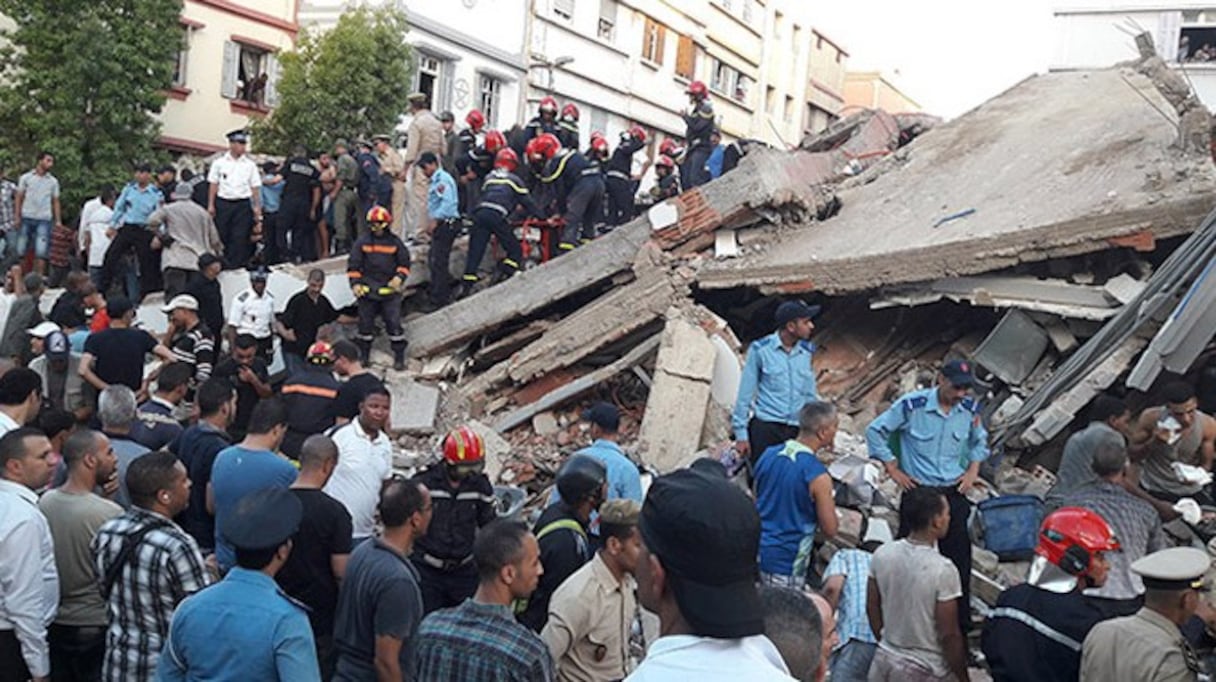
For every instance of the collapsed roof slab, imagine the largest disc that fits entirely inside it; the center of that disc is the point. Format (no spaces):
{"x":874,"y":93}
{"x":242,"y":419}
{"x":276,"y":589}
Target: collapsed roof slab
{"x":1059,"y":165}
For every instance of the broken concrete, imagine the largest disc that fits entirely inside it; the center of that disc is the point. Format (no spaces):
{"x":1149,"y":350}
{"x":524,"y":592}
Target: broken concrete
{"x":415,"y":406}
{"x":1054,"y":296}
{"x":675,"y":413}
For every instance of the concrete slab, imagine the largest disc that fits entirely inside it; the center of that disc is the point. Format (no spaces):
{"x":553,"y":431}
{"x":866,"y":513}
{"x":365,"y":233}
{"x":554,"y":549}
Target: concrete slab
{"x":415,"y":406}
{"x":676,"y":409}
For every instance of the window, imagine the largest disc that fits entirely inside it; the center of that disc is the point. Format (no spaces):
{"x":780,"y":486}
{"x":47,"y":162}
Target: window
{"x":686,"y":58}
{"x":430,"y":71}
{"x":729,"y":81}
{"x":778,"y":25}
{"x":720,"y":76}
{"x":607,"y":25}
{"x":770,"y":100}
{"x":598,"y":118}
{"x":789,"y":109}
{"x":563,"y":9}
{"x":250,"y":74}
{"x":489,"y":95}
{"x":183,"y":57}
{"x":743,"y":86}
{"x":653,"y":36}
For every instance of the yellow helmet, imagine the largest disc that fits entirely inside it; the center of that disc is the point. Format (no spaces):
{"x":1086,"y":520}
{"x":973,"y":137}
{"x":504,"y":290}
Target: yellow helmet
{"x":378,"y":217}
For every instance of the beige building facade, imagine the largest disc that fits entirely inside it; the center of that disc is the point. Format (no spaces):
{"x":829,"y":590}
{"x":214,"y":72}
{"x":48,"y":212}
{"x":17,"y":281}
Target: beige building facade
{"x":874,"y":90}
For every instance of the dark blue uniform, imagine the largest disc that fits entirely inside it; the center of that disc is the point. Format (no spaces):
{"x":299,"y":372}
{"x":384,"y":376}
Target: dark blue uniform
{"x":375,"y":259}
{"x":369,"y":189}
{"x":699,"y":123}
{"x":666,"y":187}
{"x":154,"y":427}
{"x":1035,"y":634}
{"x":580,"y":192}
{"x":301,"y":182}
{"x":310,"y":395}
{"x":567,"y":133}
{"x":501,"y":194}
{"x":537,"y":126}
{"x":618,"y":180}
{"x":444,"y":556}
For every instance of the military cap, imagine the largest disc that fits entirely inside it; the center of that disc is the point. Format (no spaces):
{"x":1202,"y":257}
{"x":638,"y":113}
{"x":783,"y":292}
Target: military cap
{"x":264,"y":519}
{"x":341,"y":142}
{"x":240,"y":135}
{"x":1176,"y":568}
{"x":620,"y":512}
{"x":382,"y":136}
{"x":417,"y":98}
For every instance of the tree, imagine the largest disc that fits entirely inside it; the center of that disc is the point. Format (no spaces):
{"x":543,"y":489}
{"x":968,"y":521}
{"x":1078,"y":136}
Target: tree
{"x":351,"y":80}
{"x":84,"y":81}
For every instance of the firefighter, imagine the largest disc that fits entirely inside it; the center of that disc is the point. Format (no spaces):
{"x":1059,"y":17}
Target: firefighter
{"x":578,"y":184}
{"x":310,"y":394}
{"x":567,"y":126}
{"x":617,"y":178}
{"x":462,"y":500}
{"x":469,"y":138}
{"x":668,"y":183}
{"x":377,"y":268}
{"x":597,"y":150}
{"x":672,"y":150}
{"x":501,"y":194}
{"x":699,"y":123}
{"x":545,"y":121}
{"x":473,"y":167}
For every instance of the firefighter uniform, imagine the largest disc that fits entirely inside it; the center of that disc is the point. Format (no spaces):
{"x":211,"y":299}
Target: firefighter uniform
{"x":618,"y":182}
{"x":699,"y":123}
{"x":579,"y":186}
{"x":534,"y":128}
{"x":479,"y":163}
{"x":369,"y":187}
{"x":667,"y":187}
{"x":310,"y":395}
{"x":444,"y":556}
{"x":376,"y":259}
{"x":501,"y":193}
{"x":567,"y":133}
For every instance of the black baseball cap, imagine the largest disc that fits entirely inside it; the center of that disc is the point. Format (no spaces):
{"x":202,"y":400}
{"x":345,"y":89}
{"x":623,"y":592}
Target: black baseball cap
{"x":264,"y":519}
{"x":789,"y":311}
{"x":706,"y":533}
{"x":959,"y":373}
{"x":603,"y":415}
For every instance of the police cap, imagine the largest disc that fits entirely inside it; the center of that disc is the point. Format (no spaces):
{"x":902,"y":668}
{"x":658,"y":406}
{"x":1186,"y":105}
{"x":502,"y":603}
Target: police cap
{"x":241,"y":136}
{"x":789,"y":311}
{"x":264,"y":519}
{"x":1173,"y":569}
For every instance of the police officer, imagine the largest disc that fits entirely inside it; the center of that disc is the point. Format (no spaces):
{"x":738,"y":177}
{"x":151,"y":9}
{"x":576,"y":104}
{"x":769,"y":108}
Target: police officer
{"x":567,"y":126}
{"x":501,"y":194}
{"x":310,"y":394}
{"x":667,"y":183}
{"x":301,"y":202}
{"x":443,"y":224}
{"x":618,"y":180}
{"x":545,"y":121}
{"x":235,"y":200}
{"x":345,"y":197}
{"x":371,"y":187}
{"x":699,"y":123}
{"x":1036,"y":630}
{"x":462,"y":501}
{"x":942,"y":442}
{"x":579,"y":188}
{"x":1148,"y":646}
{"x":245,"y":627}
{"x":377,"y":268}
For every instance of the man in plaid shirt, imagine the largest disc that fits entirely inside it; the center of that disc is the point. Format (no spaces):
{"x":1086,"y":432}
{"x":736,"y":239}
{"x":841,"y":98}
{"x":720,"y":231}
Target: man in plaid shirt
{"x":162,"y":567}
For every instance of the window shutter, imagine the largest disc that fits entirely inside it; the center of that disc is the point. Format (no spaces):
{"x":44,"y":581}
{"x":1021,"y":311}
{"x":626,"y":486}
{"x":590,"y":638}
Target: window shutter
{"x":658,"y":52}
{"x":232,"y":53}
{"x":272,"y":80}
{"x":686,"y":54}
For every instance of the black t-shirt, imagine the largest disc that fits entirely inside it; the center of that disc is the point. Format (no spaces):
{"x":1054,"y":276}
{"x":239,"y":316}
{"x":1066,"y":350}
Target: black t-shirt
{"x":246,"y":395}
{"x":118,"y":355}
{"x":210,"y":303}
{"x":196,"y":448}
{"x":299,"y":177}
{"x":304,"y":317}
{"x":352,"y":392}
{"x":308,"y":575}
{"x":68,"y":311}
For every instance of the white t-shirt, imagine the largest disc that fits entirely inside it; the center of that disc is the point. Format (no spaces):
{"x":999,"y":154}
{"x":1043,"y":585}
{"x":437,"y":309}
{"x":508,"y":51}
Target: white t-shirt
{"x":234,"y":178}
{"x":363,"y":465}
{"x":252,"y":314}
{"x":706,"y":659}
{"x":99,"y":242}
{"x":912,"y":579}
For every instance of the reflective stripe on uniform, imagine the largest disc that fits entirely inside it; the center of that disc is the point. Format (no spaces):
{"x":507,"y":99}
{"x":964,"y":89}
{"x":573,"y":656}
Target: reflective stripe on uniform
{"x":1036,"y":625}
{"x":619,"y":174}
{"x":378,"y":248}
{"x":505,"y":181}
{"x":305,"y":389}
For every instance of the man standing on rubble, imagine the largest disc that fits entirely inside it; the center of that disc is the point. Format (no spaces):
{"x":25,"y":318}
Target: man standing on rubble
{"x":777,"y":381}
{"x":938,"y":430}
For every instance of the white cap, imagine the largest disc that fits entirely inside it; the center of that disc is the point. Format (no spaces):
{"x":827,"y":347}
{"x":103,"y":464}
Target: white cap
{"x":41,"y":330}
{"x":184,"y":301}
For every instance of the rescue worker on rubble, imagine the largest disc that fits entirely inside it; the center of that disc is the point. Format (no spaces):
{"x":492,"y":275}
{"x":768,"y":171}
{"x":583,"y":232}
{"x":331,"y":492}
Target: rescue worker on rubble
{"x":501,"y":194}
{"x":462,"y":502}
{"x":545,"y":121}
{"x":667,"y":181}
{"x":617,"y":178}
{"x":561,"y":531}
{"x":567,"y":126}
{"x":672,"y":150}
{"x":468,"y":138}
{"x":473,"y":167}
{"x":597,"y":150}
{"x":310,"y":395}
{"x":579,"y":188}
{"x":699,"y":123}
{"x":377,"y":268}
{"x":942,"y":441}
{"x":371,"y":188}
{"x":1036,"y":630}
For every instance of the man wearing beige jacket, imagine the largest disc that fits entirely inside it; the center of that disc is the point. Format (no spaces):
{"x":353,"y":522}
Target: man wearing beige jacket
{"x":425,"y":134}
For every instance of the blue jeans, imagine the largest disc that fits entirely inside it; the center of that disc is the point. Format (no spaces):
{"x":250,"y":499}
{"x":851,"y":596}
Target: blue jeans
{"x":851,"y":662}
{"x":31,"y":228}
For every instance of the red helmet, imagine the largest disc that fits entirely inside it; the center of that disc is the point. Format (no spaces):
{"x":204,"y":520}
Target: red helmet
{"x":664,"y":162}
{"x":599,"y":143}
{"x":494,"y":141}
{"x":544,"y":145}
{"x":548,"y":104}
{"x":475,"y":119}
{"x":1070,"y":536}
{"x":320,"y":353}
{"x":570,"y":111}
{"x":506,"y":158}
{"x":463,"y":446}
{"x":638,"y":134}
{"x":379,"y":215}
{"x":667,"y":147}
{"x":697,"y":89}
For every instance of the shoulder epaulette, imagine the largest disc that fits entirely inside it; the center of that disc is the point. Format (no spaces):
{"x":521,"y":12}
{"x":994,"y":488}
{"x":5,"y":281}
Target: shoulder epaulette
{"x":915,"y":402}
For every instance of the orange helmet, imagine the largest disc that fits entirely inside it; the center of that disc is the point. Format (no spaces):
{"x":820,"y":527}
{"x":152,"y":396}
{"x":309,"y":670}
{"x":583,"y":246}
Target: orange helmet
{"x":548,"y":104}
{"x":379,"y":216}
{"x":697,"y":89}
{"x":599,"y":143}
{"x":1071,"y":536}
{"x":463,"y":446}
{"x":570,"y":111}
{"x":667,"y":147}
{"x":475,"y":119}
{"x":320,"y":353}
{"x":638,"y":134}
{"x":494,"y":141}
{"x":664,"y":162}
{"x":544,"y":146}
{"x":506,"y":158}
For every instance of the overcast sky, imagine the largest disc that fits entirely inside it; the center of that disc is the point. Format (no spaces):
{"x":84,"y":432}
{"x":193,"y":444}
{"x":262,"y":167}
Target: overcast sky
{"x":948,"y":55}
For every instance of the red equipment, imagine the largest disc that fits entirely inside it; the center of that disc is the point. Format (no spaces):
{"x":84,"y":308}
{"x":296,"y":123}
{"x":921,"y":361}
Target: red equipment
{"x":463,"y":446}
{"x":475,"y":119}
{"x":495,"y":141}
{"x":1071,"y":536}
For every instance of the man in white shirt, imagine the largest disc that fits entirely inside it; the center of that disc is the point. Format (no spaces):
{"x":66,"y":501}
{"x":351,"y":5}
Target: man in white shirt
{"x":365,"y":461}
{"x":20,"y":399}
{"x":697,"y":570}
{"x":234,"y":198}
{"x":29,"y":581}
{"x":95,"y":231}
{"x":252,"y":313}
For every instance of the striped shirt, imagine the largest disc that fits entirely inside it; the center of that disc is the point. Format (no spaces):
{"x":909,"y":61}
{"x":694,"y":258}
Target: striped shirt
{"x":852,"y":622}
{"x":1133,"y":521}
{"x":165,"y":567}
{"x":476,"y":641}
{"x":195,"y":347}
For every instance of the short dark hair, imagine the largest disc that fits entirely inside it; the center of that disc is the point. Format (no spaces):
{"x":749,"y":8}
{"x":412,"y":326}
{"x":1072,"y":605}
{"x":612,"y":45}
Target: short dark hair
{"x":1106,"y":407}
{"x":186,"y":175}
{"x":317,"y":450}
{"x":246,"y":341}
{"x":212,"y":395}
{"x":347,"y":350}
{"x":427,"y":158}
{"x":173,"y":376}
{"x":255,"y":559}
{"x":78,"y":445}
{"x":149,"y":474}
{"x":918,"y":507}
{"x":107,"y":194}
{"x":400,"y":498}
{"x":55,"y":421}
{"x":17,"y":384}
{"x":1177,"y":392}
{"x":499,"y":543}
{"x":792,"y":622}
{"x":267,"y":414}
{"x":43,"y":153}
{"x":375,"y":390}
{"x":12,"y":444}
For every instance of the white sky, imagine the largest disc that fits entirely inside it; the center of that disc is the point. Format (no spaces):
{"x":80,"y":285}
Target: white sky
{"x":948,"y":55}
